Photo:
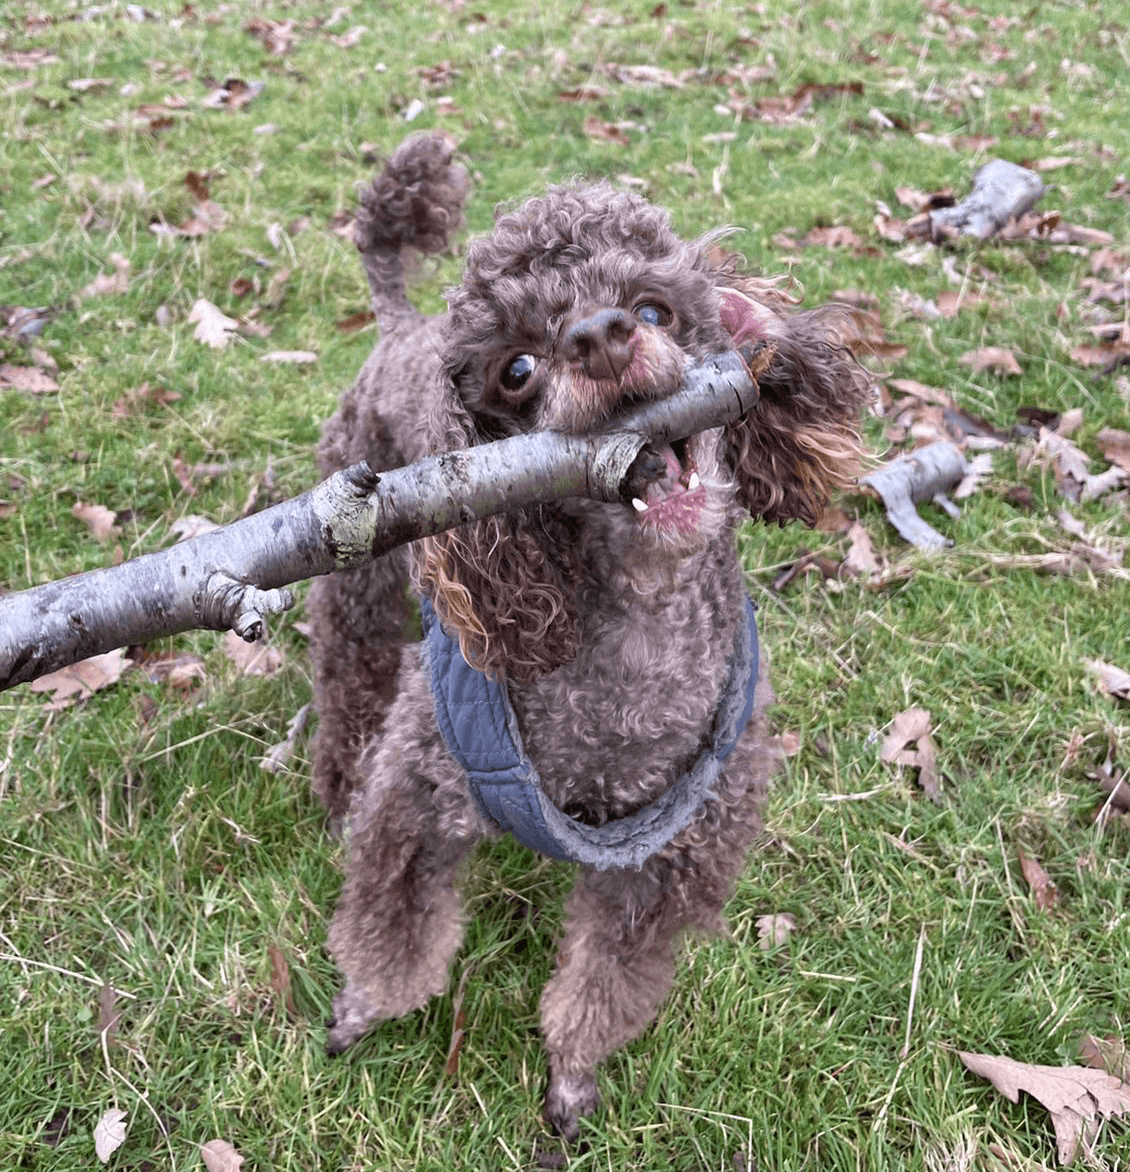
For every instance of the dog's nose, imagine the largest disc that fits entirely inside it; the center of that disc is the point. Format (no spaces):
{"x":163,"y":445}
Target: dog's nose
{"x":601,"y":343}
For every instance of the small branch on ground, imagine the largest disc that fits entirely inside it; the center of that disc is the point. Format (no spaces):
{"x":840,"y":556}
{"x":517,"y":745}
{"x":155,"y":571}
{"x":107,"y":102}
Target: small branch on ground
{"x":1002,"y":191}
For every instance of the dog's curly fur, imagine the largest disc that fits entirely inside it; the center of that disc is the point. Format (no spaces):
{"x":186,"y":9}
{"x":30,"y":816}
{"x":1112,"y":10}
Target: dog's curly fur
{"x":611,"y":626}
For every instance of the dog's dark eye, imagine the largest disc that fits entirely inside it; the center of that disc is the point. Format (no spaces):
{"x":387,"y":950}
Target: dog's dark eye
{"x":653,"y":313}
{"x":518,"y":372}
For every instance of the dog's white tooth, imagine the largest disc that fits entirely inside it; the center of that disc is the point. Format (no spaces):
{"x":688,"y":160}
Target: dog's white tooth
{"x":693,"y":483}
{"x":638,"y":505}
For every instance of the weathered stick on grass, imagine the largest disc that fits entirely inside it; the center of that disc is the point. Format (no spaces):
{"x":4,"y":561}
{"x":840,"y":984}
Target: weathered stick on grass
{"x":926,"y":474}
{"x":1001,"y":191}
{"x":234,"y":575}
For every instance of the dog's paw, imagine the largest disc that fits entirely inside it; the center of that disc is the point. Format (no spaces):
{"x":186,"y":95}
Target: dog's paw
{"x":568,"y":1101}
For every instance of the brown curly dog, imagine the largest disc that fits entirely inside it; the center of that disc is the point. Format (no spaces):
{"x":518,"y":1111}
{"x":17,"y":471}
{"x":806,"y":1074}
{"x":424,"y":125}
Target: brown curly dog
{"x":611,"y":628}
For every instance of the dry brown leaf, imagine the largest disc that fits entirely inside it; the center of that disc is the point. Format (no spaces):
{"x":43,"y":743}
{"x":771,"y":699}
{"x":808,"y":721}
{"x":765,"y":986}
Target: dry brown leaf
{"x":994,"y":358}
{"x":837,"y":236}
{"x":105,"y":283}
{"x":252,"y":659}
{"x":912,"y":727}
{"x":108,"y":1013}
{"x":213,"y":327}
{"x":350,"y":39}
{"x":1044,"y":893}
{"x":191,"y":525}
{"x":774,"y":930}
{"x":178,"y":669}
{"x":84,"y":85}
{"x":977,"y":471}
{"x":131,"y":400}
{"x":644,"y":75}
{"x":1075,"y":1096}
{"x":788,"y":742}
{"x":280,"y":980}
{"x":356,"y":321}
{"x":232,"y":95}
{"x":1113,"y":679}
{"x":76,"y":681}
{"x":950,"y":302}
{"x":207,"y":217}
{"x":100,"y":520}
{"x":219,"y":1156}
{"x":1110,"y":1054}
{"x":1072,"y":468}
{"x":597,"y":128}
{"x":27,"y":378}
{"x":860,"y":560}
{"x":109,"y":1134}
{"x":927,"y":394}
{"x":1115,"y":446}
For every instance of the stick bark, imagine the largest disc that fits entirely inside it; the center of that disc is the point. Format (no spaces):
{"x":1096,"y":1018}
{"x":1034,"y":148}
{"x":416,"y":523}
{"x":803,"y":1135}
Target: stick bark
{"x":234,"y":575}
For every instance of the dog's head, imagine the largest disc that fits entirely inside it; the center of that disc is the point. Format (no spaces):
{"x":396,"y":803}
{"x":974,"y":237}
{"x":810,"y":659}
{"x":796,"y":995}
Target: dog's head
{"x":578,"y":304}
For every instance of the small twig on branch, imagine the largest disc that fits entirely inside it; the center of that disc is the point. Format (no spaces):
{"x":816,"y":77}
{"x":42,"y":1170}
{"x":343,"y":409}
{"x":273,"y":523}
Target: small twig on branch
{"x":234,"y":575}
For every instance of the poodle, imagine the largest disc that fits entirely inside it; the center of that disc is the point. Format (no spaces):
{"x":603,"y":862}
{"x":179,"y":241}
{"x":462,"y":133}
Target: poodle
{"x":615,"y":640}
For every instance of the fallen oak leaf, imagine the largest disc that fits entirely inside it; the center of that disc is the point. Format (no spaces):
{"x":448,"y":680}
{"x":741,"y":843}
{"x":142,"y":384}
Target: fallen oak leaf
{"x":912,"y":727}
{"x":101,"y":521}
{"x":108,"y":1013}
{"x":601,"y":131}
{"x":860,"y":560}
{"x":1115,"y":445}
{"x":105,"y":283}
{"x":76,"y":681}
{"x":1076,"y":1096}
{"x":994,"y":358}
{"x":109,"y":1133}
{"x":280,"y":980}
{"x":1044,"y":893}
{"x":1110,"y":1054}
{"x":1113,"y":679}
{"x":774,"y":930}
{"x":27,"y":378}
{"x":213,"y":327}
{"x":219,"y":1156}
{"x":252,"y":659}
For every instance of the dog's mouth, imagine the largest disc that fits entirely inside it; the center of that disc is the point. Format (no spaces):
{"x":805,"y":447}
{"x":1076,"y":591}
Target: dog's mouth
{"x":674,"y":501}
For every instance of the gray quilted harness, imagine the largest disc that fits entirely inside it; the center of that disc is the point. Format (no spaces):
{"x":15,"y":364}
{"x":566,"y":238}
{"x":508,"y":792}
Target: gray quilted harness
{"x":480,"y":730}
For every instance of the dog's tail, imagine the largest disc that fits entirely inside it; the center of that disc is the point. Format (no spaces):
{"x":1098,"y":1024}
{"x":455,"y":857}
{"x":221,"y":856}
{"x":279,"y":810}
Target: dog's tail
{"x":413,"y":206}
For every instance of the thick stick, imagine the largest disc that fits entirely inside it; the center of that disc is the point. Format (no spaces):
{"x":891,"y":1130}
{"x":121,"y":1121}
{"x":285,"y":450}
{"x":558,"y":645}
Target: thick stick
{"x":232,"y":576}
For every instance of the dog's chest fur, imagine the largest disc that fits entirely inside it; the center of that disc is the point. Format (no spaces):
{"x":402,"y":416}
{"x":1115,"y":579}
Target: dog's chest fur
{"x":614,"y":728}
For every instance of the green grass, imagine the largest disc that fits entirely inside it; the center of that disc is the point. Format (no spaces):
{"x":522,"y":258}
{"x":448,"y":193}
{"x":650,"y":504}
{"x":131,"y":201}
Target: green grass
{"x":142,"y":847}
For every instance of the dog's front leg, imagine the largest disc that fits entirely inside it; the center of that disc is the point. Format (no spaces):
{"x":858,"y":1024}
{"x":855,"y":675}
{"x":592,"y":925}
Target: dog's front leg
{"x":398,"y":923}
{"x":616,"y":965}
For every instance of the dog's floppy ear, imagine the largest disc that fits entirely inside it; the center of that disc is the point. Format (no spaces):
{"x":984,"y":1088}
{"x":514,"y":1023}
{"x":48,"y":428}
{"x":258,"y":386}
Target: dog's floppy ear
{"x":502,"y":585}
{"x":801,"y":442}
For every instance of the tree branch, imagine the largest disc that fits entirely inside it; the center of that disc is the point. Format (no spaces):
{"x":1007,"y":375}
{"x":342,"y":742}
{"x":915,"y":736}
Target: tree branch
{"x":234,"y":575}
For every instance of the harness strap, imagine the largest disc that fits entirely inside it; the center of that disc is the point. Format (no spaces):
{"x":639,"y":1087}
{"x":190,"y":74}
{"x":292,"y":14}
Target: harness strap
{"x":480,"y":730}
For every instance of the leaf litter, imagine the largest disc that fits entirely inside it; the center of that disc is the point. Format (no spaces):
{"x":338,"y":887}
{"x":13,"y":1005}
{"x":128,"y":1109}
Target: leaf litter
{"x":1077,"y":1097}
{"x":912,"y":727}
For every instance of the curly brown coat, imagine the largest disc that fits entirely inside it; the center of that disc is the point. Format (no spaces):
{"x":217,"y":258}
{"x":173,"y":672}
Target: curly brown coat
{"x":611,"y":626}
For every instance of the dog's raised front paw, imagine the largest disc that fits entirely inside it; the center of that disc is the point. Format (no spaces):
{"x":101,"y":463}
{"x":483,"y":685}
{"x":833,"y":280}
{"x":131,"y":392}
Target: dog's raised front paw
{"x":568,"y":1101}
